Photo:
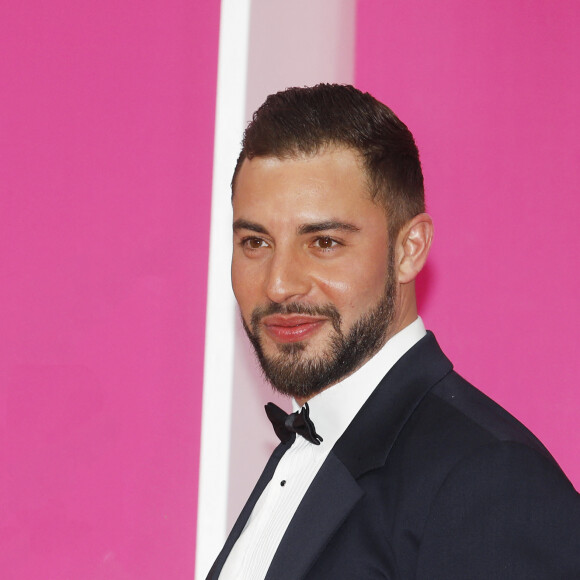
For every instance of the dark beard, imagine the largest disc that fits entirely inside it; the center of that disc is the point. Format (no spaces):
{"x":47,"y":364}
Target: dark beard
{"x":291,"y":375}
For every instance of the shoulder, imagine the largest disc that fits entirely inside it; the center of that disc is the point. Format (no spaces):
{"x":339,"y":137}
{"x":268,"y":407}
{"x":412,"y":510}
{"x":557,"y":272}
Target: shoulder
{"x":456,"y":420}
{"x":499,"y":505}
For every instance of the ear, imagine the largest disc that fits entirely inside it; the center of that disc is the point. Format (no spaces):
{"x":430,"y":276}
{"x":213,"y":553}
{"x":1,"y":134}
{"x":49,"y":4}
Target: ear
{"x":413,"y":243}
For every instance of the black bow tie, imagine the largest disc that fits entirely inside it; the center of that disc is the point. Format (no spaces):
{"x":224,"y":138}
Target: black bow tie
{"x":286,"y":425}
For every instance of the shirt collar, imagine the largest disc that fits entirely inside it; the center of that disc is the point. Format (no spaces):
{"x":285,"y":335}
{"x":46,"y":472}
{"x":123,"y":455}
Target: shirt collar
{"x":332,"y":410}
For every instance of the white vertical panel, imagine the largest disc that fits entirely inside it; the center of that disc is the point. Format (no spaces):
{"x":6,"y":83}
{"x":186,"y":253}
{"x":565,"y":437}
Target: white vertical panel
{"x":265,"y":46}
{"x":299,"y":43}
{"x":220,"y":319}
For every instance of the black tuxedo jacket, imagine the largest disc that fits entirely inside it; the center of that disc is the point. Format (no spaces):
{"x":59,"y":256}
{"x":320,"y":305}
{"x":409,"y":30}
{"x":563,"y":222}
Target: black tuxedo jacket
{"x":431,"y":480}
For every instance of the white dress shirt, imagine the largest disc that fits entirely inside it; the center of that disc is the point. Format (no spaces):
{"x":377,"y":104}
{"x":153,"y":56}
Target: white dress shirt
{"x":331,"y":411}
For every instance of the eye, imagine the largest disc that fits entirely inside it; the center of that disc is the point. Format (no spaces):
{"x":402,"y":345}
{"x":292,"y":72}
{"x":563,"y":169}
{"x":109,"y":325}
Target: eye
{"x":253,"y":243}
{"x":326,"y":243}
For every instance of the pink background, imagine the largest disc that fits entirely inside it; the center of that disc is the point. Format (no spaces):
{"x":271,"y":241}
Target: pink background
{"x":106,"y":141}
{"x":106,"y":145}
{"x":491,"y":91}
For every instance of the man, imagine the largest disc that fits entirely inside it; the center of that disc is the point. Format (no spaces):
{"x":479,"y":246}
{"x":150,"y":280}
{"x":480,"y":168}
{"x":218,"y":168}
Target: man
{"x":394,"y":467}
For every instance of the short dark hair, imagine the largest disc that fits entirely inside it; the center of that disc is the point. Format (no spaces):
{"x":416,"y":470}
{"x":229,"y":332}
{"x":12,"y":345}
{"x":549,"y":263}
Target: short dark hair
{"x":305,"y":120}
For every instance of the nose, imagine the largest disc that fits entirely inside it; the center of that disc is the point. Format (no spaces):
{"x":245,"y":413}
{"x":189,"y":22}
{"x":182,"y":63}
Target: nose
{"x":287,"y":277}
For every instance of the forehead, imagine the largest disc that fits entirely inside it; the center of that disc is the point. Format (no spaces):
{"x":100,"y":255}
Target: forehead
{"x":332,"y":178}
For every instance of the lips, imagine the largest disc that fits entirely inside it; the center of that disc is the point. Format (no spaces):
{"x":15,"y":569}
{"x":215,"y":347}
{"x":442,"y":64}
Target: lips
{"x":291,"y":328}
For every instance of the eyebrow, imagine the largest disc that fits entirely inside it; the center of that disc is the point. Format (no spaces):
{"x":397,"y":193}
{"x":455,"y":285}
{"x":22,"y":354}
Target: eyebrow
{"x":325,"y":226}
{"x":242,"y":224}
{"x":312,"y":228}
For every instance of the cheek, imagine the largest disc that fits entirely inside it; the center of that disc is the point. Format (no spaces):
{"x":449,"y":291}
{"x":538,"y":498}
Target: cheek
{"x":337,"y":287}
{"x":358,"y":283}
{"x":242,"y":284}
{"x":248,"y":286}
{"x":355,"y":293}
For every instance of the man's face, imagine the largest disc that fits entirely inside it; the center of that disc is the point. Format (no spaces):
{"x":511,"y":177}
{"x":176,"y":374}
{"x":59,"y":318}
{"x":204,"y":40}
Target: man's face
{"x":312,"y":270}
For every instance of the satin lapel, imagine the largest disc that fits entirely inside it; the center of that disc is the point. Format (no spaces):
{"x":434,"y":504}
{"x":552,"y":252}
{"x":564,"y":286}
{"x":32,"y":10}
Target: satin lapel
{"x":331,"y":497}
{"x":247,"y":510}
{"x":390,"y":406}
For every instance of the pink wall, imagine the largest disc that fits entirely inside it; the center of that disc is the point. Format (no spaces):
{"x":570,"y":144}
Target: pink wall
{"x":106,"y":140}
{"x":491,"y":91}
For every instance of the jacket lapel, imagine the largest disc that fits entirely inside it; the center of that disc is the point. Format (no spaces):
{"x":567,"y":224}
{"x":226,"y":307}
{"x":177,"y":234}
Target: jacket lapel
{"x":390,"y":406}
{"x":335,"y":491}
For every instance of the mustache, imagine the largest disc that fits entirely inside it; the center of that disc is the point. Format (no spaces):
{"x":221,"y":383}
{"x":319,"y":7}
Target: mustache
{"x":327,"y":311}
